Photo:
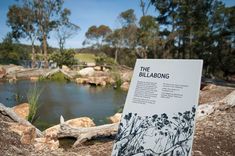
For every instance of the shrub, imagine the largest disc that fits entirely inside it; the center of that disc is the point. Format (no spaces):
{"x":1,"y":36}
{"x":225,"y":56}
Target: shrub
{"x":59,"y":77}
{"x":117,"y":78}
{"x":103,"y":59}
{"x":32,"y":97}
{"x":64,"y":58}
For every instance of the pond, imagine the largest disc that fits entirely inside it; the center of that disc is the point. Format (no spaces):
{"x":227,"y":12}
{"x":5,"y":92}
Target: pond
{"x":67,"y":99}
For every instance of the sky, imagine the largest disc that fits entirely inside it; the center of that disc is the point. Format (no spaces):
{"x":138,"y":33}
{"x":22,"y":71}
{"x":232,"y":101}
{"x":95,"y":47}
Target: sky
{"x":85,"y":13}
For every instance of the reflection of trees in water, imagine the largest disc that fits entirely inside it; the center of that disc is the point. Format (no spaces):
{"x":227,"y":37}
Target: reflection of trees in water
{"x":155,"y":135}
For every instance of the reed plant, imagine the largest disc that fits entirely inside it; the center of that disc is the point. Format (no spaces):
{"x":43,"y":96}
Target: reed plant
{"x":33,"y":97}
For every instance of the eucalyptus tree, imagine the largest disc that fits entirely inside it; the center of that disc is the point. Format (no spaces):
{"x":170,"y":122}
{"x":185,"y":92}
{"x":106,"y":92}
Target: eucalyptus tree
{"x":115,"y":40}
{"x":129,"y":28}
{"x":47,"y":14}
{"x":96,"y":35}
{"x":167,"y":19}
{"x":148,"y":35}
{"x":22,"y":21}
{"x":65,"y":29}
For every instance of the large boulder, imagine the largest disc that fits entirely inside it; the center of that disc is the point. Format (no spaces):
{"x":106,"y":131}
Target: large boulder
{"x":115,"y":118}
{"x":229,"y":99}
{"x":87,"y":72}
{"x":42,"y":144}
{"x":27,"y":133}
{"x":22,"y":110}
{"x":126,"y":76}
{"x":13,"y":69}
{"x":2,"y":72}
{"x":78,"y":122}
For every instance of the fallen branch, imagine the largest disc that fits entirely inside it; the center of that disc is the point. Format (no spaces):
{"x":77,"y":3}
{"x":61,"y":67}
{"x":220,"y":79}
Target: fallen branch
{"x":51,"y":72}
{"x":84,"y":134}
{"x":9,"y":112}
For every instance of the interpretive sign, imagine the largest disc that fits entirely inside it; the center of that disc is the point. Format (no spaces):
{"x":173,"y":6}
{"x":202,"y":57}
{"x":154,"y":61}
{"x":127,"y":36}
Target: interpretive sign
{"x":159,"y":113}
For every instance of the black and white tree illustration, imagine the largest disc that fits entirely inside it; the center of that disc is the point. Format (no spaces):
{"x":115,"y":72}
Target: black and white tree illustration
{"x":156,"y":135}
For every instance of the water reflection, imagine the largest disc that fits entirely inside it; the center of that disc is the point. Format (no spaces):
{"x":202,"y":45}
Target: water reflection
{"x":67,"y":99}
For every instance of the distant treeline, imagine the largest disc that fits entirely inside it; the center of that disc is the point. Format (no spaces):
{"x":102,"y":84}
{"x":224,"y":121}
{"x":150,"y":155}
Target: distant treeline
{"x":181,"y":29}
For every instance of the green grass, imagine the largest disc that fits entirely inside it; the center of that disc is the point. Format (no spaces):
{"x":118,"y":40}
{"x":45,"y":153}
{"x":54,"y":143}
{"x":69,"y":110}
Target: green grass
{"x":85,"y":57}
{"x":32,"y":97}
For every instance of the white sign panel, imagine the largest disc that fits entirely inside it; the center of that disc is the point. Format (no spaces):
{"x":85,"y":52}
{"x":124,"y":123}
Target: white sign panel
{"x":159,"y":113}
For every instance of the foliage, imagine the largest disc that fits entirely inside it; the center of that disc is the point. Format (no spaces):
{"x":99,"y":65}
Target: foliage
{"x":85,"y":57}
{"x":59,"y":77}
{"x":65,"y":57}
{"x":22,"y":21}
{"x":97,"y":34}
{"x":33,"y":97}
{"x":147,"y":36}
{"x":65,"y":29}
{"x":171,"y":136}
{"x":34,"y":20}
{"x":197,"y":30}
{"x":102,"y":59}
{"x":117,"y":78}
{"x":11,"y":52}
{"x":127,"y":17}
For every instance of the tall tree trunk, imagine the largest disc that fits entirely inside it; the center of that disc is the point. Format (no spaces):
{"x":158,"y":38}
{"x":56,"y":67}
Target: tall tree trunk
{"x":33,"y":55}
{"x":116,"y":55}
{"x":44,"y":40}
{"x":145,"y":53}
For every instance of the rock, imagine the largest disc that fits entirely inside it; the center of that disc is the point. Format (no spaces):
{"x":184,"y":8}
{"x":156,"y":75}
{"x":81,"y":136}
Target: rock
{"x":98,"y":81}
{"x":87,"y":72}
{"x":34,"y":78}
{"x":78,"y":122}
{"x":81,"y":122}
{"x":229,"y":99}
{"x":65,"y":68}
{"x":2,"y":72}
{"x":22,"y":110}
{"x":91,"y":64}
{"x":13,"y":69}
{"x":13,"y":79}
{"x":27,"y":133}
{"x":204,"y":110}
{"x":209,"y":87}
{"x":115,"y":118}
{"x":82,"y":80}
{"x":125,"y":86}
{"x":126,"y":76}
{"x":46,"y":143}
{"x":111,"y":81}
{"x":97,"y":68}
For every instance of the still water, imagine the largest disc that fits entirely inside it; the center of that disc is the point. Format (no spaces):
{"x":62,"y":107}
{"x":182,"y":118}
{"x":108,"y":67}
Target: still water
{"x":68,"y":99}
